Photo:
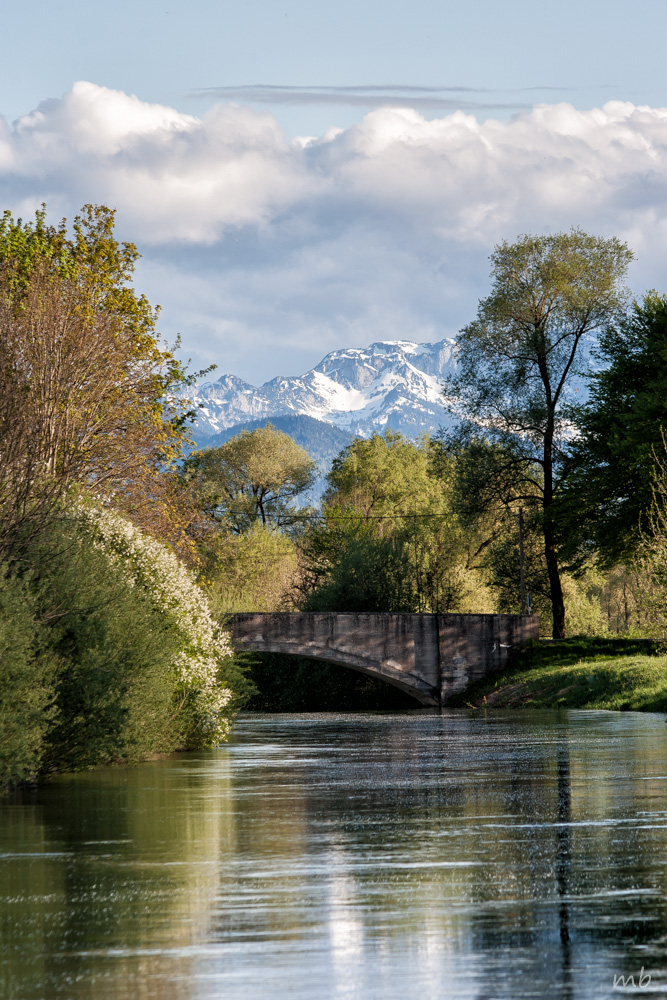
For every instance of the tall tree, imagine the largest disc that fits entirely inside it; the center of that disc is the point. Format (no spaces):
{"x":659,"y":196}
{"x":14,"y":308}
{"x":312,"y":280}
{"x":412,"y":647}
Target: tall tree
{"x":620,"y":446}
{"x":87,"y":391}
{"x":517,"y":361}
{"x":388,"y":540}
{"x":256,"y":477}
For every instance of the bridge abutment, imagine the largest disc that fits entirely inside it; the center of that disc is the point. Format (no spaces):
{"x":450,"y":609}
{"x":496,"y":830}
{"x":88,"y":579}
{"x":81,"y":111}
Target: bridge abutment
{"x":473,"y":646}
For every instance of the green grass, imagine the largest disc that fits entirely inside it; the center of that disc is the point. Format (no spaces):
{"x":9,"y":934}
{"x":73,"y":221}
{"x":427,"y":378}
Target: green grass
{"x":617,"y":674}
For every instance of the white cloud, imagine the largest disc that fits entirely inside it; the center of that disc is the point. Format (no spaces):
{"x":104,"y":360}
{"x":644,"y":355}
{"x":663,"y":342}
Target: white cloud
{"x":266,"y":253}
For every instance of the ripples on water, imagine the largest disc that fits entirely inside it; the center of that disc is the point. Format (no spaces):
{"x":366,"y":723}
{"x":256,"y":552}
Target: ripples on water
{"x":509,"y":855}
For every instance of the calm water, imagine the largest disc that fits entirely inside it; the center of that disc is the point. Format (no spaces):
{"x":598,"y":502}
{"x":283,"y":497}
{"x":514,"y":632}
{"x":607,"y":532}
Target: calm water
{"x":511,"y":855}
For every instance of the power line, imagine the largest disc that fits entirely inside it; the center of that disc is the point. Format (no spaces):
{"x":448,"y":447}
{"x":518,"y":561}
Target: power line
{"x":340,"y":517}
{"x":355,"y":517}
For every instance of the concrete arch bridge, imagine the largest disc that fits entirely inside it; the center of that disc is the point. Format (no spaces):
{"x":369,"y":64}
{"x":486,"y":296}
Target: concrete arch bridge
{"x":430,"y":657}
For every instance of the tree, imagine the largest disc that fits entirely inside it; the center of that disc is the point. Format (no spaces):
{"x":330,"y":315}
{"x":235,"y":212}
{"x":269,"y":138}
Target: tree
{"x":250,"y":571}
{"x":389,"y":539}
{"x":254,"y":478}
{"x":609,"y":495}
{"x":351,"y":565}
{"x":87,"y":392}
{"x":384,"y":475}
{"x":518,"y":359}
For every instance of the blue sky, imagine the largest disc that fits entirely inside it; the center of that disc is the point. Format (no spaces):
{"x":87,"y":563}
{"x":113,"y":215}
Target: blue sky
{"x":495,"y":57}
{"x":436,"y":130}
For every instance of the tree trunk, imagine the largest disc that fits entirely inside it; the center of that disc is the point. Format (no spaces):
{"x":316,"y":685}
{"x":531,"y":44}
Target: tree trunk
{"x":555,"y":588}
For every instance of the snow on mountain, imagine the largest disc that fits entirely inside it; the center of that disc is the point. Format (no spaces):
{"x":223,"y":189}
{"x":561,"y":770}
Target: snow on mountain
{"x":392,"y":383}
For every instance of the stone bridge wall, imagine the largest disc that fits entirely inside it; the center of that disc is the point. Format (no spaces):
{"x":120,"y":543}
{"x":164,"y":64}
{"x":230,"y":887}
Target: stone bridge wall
{"x":430,"y":657}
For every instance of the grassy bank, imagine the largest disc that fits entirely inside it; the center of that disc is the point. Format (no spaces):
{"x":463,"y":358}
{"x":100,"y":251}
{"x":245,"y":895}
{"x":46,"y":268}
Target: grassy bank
{"x":617,"y":674}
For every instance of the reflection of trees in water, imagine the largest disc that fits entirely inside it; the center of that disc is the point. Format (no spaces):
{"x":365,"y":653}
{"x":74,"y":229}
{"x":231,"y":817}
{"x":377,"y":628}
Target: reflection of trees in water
{"x":564,"y":863}
{"x":452,"y":834}
{"x":486,"y":818}
{"x":122,"y":859}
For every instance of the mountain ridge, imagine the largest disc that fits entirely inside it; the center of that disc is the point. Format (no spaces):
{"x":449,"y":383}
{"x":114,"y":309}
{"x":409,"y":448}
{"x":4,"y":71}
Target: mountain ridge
{"x":395,"y":384}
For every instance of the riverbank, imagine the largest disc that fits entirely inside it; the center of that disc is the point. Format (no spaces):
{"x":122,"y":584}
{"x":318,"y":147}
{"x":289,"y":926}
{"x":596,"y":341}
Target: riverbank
{"x":616,"y":674}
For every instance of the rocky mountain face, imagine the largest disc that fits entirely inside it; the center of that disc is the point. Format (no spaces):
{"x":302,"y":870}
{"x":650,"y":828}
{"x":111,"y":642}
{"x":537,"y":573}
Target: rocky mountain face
{"x":395,"y":384}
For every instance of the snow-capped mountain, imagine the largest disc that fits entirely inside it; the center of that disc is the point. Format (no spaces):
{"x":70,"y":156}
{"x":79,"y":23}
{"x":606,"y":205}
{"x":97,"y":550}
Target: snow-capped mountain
{"x":392,"y":383}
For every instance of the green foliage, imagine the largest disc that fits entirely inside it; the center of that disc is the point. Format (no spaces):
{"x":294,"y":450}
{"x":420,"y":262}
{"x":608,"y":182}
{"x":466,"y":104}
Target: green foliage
{"x":383,"y":475}
{"x":518,"y":358}
{"x":255,"y":477}
{"x":113,"y":685}
{"x":26,"y":683}
{"x":491,"y":479}
{"x":586,"y":613}
{"x":251,"y":571}
{"x":503,"y":562}
{"x":588,"y":597}
{"x":203,"y":672}
{"x":362,"y":570}
{"x":389,"y":539}
{"x":607,"y":502}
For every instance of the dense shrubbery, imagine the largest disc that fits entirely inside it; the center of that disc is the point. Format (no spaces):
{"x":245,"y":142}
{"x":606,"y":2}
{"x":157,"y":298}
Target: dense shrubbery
{"x":251,"y":571}
{"x":204,"y":659}
{"x":110,"y":652}
{"x":113,"y":652}
{"x":27,"y":682}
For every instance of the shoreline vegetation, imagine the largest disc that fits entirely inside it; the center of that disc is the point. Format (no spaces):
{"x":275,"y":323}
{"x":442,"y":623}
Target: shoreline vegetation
{"x":613,"y":674}
{"x":109,"y":650}
{"x":122,"y":551}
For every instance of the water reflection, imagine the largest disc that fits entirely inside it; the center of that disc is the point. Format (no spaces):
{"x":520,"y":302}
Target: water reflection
{"x":512,"y":855}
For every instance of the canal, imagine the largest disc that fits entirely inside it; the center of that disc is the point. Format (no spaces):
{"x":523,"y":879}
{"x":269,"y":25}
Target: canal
{"x":506,"y":854}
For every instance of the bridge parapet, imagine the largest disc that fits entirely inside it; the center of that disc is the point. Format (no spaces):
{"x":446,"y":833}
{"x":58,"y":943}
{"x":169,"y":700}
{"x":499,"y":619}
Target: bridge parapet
{"x":431,"y":657}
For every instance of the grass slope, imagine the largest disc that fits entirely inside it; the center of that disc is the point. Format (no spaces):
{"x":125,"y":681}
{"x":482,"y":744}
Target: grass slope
{"x":617,"y":674}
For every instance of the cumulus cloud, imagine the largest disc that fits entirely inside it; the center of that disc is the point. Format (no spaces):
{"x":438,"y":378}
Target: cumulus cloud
{"x":267,"y":253}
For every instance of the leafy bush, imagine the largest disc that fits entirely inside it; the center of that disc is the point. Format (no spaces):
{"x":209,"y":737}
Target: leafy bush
{"x":109,"y":652}
{"x":26,"y":683}
{"x":203,"y":673}
{"x":113,"y":685}
{"x":250,"y":571}
{"x":367,"y":572}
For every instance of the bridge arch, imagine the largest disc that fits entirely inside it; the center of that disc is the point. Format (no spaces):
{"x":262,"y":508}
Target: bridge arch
{"x":430,"y":657}
{"x":414,"y":686}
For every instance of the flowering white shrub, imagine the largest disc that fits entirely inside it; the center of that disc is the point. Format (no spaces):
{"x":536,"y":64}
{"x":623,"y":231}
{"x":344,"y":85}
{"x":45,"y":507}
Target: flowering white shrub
{"x":200,"y":696}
